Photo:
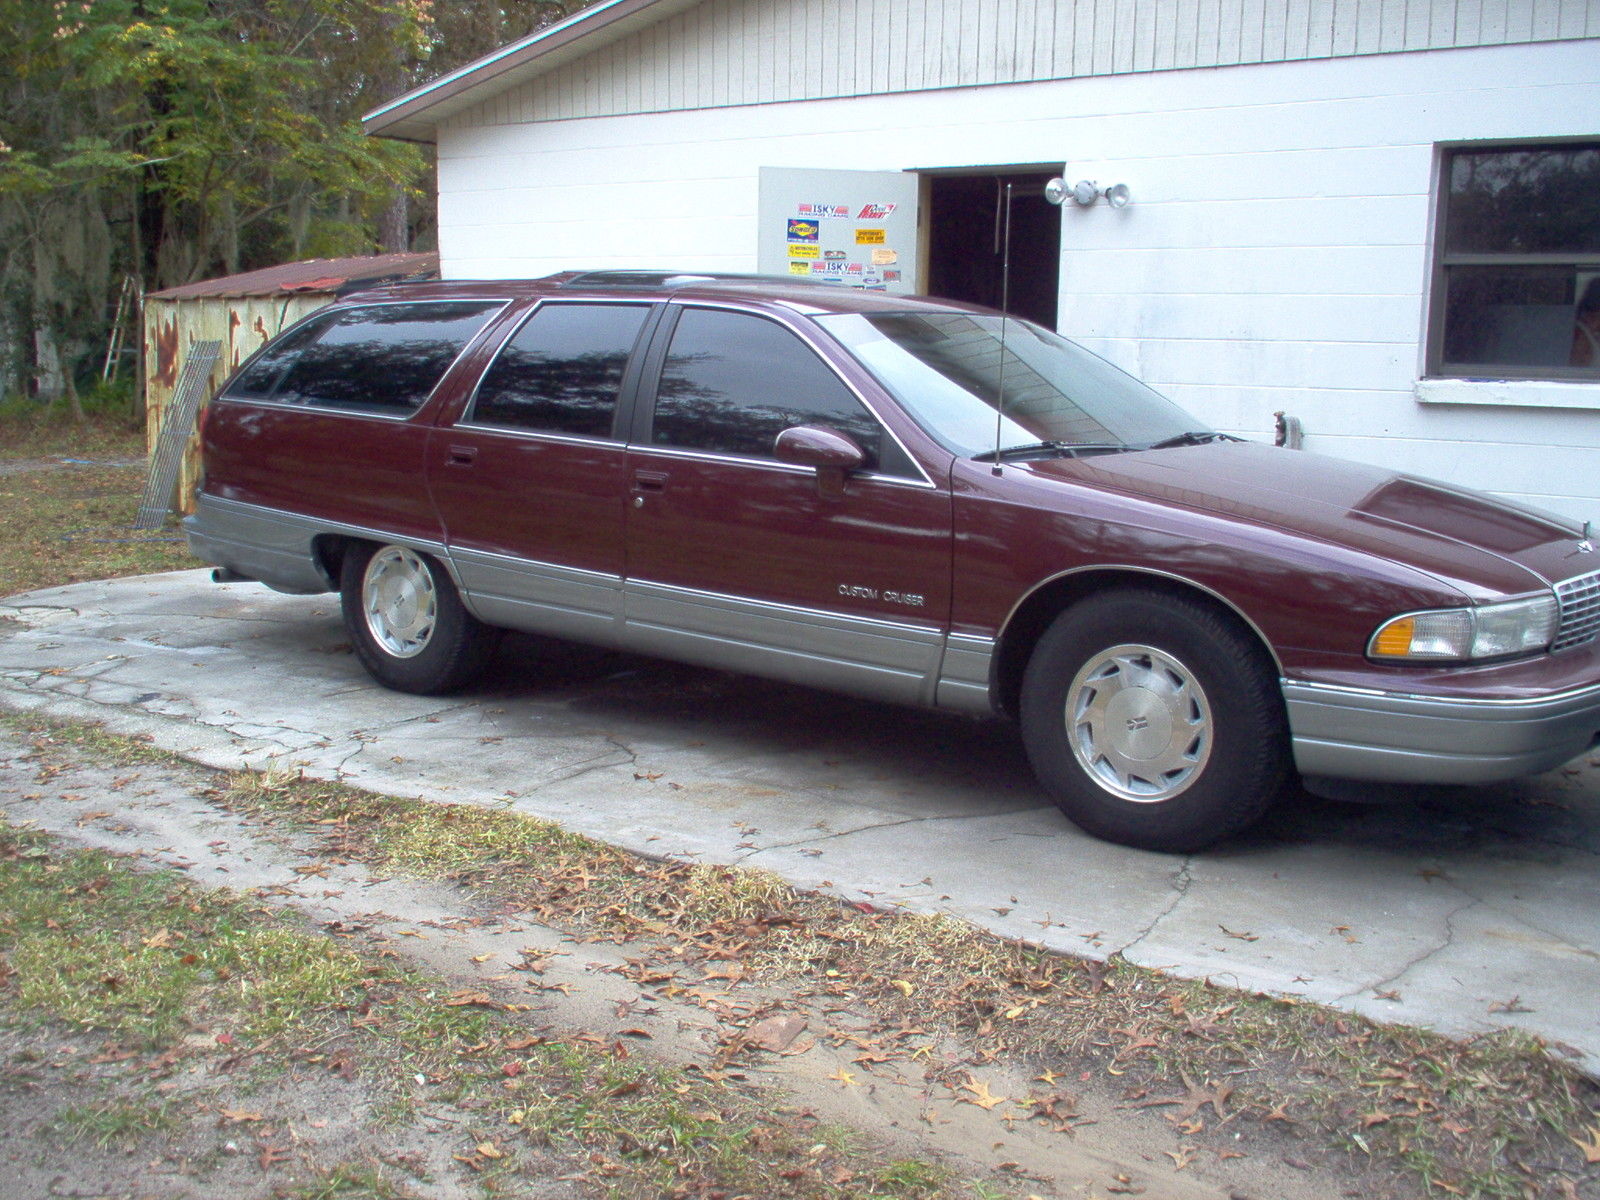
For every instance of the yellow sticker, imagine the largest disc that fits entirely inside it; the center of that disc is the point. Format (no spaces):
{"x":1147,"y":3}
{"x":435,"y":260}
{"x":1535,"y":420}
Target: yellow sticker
{"x":804,"y":251}
{"x":799,"y":268}
{"x":885,"y":258}
{"x":869,"y":237}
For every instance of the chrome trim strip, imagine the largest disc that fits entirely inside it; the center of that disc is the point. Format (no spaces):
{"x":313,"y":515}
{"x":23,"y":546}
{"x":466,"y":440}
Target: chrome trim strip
{"x":778,"y":607}
{"x":853,"y":655}
{"x":1587,"y":692}
{"x":540,"y":435}
{"x":978,"y":643}
{"x":516,"y":560}
{"x":806,"y":335}
{"x":1265,"y":641}
{"x":395,"y":418}
{"x":736,"y":460}
{"x":212,"y":511}
{"x":318,"y":525}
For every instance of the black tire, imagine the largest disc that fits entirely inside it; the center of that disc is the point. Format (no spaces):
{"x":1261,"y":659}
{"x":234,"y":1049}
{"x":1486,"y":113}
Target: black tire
{"x":1176,"y":737}
{"x":406,"y":621}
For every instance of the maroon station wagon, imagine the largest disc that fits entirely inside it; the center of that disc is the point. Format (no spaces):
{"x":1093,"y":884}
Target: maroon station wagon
{"x":908,"y":500}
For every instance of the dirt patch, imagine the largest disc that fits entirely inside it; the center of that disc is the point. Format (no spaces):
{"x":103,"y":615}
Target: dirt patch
{"x":22,"y":466}
{"x":829,"y":1061}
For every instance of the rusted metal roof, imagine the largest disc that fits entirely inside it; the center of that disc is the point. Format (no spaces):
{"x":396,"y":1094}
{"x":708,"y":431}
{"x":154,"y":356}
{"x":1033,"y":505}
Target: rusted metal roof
{"x":327,"y":275}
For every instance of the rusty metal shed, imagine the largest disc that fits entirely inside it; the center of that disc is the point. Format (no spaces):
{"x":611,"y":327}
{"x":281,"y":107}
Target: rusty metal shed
{"x":243,"y":312}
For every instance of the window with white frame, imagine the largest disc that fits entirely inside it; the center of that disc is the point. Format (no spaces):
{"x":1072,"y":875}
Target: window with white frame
{"x":1516,"y":292}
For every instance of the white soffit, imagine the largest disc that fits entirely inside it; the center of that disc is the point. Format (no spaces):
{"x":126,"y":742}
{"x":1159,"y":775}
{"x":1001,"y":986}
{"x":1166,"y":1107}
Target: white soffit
{"x":416,"y":116}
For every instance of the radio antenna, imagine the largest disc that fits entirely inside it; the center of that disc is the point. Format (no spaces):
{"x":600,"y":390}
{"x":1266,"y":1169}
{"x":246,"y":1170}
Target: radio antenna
{"x":1005,"y":317}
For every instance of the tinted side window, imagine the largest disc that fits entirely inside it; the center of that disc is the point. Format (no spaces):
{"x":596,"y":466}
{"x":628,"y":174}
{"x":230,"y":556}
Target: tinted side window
{"x":733,"y":382}
{"x":382,"y":358}
{"x":260,"y":376}
{"x":562,"y":371}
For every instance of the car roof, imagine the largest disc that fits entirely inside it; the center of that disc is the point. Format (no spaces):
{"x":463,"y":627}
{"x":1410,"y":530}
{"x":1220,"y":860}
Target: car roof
{"x":811,"y":298}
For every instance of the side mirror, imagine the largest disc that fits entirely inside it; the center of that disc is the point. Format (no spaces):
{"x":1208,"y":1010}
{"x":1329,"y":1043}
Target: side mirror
{"x":832,"y":453}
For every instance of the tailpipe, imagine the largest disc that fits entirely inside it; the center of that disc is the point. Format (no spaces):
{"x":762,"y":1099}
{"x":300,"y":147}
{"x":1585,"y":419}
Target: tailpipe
{"x":226,"y":575}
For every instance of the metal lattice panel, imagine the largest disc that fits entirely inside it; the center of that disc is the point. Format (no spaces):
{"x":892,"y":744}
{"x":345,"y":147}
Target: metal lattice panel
{"x":176,"y":426}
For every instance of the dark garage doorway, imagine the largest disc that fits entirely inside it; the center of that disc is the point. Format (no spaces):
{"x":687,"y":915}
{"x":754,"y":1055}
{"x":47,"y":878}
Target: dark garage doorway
{"x":965,"y":214}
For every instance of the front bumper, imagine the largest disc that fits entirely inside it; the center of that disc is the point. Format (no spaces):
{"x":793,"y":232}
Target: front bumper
{"x":1354,"y":733}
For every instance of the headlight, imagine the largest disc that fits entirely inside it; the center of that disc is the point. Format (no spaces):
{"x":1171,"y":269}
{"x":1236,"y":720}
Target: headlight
{"x":1466,"y":634}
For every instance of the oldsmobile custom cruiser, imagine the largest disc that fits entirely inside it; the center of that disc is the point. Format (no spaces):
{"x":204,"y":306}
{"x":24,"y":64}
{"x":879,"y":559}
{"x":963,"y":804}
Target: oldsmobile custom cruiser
{"x":909,"y":500}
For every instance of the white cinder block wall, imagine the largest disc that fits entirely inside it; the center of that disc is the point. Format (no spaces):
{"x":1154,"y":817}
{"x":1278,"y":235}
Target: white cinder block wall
{"x":1276,"y":254}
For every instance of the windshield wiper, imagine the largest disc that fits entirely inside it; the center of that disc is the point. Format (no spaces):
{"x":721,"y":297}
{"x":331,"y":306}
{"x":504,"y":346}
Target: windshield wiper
{"x":1195,"y":437}
{"x":1037,"y":449}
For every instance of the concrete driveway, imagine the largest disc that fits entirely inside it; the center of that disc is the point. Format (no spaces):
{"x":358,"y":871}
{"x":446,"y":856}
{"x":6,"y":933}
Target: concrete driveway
{"x":1464,"y":910}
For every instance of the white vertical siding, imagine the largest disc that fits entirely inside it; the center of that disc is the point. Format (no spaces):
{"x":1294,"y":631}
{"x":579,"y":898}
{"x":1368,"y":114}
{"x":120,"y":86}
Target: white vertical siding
{"x":1275,"y":255}
{"x":731,"y":52}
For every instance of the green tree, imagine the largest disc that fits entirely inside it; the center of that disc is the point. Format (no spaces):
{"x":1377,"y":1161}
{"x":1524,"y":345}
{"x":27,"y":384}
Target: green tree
{"x":175,"y":140}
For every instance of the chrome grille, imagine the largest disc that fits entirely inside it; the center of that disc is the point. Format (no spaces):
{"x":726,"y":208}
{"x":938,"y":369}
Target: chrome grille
{"x":1580,"y":611}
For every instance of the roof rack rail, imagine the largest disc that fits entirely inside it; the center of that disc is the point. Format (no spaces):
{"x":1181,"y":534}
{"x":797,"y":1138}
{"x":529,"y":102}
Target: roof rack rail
{"x":667,"y":280}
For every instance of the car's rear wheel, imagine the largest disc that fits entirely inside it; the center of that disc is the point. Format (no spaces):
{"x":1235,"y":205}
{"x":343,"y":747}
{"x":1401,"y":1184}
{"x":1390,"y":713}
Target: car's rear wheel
{"x":1154,"y":720}
{"x":406,"y":620}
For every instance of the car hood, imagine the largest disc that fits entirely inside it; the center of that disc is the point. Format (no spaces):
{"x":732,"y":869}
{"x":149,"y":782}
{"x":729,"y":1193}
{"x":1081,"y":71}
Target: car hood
{"x":1477,"y":543}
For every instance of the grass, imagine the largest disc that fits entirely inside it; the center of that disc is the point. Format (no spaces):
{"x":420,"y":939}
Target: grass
{"x":144,"y":957}
{"x":116,"y":1121}
{"x":66,"y":523}
{"x":1482,"y":1117}
{"x":30,"y":430}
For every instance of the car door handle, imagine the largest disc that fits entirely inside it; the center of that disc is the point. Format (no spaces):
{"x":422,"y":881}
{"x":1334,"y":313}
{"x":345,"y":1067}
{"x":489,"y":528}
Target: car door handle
{"x":463,"y":456}
{"x":649,"y":481}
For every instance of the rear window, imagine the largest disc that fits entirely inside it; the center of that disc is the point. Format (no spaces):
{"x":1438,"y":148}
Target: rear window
{"x":380,"y":358}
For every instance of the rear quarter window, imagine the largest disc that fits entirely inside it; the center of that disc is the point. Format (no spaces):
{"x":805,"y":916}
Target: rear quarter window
{"x":380,"y":358}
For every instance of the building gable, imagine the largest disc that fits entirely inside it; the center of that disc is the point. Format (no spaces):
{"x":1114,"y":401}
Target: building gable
{"x":721,"y":53}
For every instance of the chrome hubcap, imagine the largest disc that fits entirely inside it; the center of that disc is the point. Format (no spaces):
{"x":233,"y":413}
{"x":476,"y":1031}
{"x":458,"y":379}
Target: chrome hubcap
{"x":1139,"y":723}
{"x":398,"y":597}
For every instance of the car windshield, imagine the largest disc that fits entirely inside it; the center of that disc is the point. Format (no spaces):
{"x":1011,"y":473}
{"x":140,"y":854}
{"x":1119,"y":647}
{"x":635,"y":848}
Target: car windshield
{"x":946,"y":370}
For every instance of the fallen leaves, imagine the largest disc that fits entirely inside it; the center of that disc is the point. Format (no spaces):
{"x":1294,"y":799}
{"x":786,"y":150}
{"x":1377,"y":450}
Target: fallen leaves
{"x":1590,"y":1146}
{"x":979,"y":1094}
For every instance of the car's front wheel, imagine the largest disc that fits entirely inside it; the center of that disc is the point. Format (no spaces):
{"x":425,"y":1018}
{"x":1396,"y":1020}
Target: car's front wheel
{"x":406,"y":621}
{"x":1154,"y":720}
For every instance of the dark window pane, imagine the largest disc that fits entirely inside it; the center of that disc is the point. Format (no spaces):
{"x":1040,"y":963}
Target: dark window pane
{"x":383,"y":358}
{"x":1522,"y":317}
{"x":261,"y":375}
{"x":1528,"y":201}
{"x":563,"y":370}
{"x":733,"y":382}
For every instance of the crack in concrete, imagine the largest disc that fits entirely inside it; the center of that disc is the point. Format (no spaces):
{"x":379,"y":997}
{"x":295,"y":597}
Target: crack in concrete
{"x":1387,"y":982}
{"x":1181,"y":880}
{"x":596,"y":762}
{"x":844,"y":833}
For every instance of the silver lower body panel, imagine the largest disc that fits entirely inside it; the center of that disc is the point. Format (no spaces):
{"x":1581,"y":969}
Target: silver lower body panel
{"x":877,"y":659}
{"x":260,"y":543}
{"x":536,"y":597}
{"x":1346,"y":733}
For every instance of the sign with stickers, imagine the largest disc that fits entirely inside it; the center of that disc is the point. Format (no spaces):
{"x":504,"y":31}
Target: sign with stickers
{"x":842,"y":228}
